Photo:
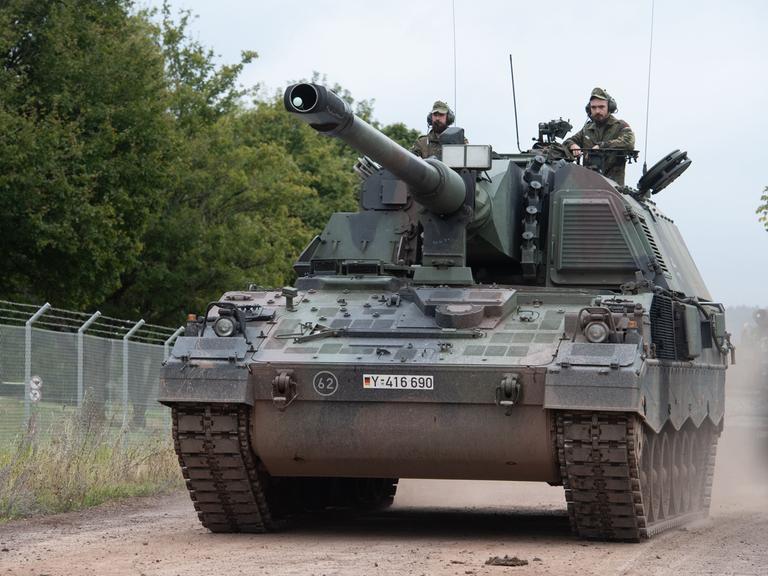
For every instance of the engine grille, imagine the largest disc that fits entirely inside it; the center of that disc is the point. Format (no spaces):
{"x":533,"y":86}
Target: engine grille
{"x":592,"y":238}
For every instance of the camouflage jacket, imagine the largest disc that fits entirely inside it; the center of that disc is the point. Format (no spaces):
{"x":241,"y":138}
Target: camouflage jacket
{"x":428,"y":145}
{"x":613,"y":133}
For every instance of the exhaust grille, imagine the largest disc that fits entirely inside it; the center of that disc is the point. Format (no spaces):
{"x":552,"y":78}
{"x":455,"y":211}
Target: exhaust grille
{"x":668,"y":329}
{"x":663,"y":327}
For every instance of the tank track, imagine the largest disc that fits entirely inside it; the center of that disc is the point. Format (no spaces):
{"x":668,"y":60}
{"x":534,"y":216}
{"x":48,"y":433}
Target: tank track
{"x":217,"y":462}
{"x":231,"y":490}
{"x":624,"y":482}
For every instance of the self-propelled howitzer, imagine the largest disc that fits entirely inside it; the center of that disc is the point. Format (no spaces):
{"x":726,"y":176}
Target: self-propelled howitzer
{"x":487,"y":316}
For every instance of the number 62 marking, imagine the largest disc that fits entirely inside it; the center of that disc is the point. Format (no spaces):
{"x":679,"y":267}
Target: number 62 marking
{"x":325,"y":383}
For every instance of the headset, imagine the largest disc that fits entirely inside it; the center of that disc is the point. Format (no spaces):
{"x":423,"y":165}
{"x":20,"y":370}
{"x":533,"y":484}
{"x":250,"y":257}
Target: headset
{"x":612,"y":107}
{"x":450,"y":117}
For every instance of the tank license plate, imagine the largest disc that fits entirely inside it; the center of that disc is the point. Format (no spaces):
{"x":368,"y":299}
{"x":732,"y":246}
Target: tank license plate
{"x":399,"y":381}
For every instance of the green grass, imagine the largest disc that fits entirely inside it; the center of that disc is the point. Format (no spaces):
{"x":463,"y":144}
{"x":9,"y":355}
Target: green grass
{"x":76,"y":460}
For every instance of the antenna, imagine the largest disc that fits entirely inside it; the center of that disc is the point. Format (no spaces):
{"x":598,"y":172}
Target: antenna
{"x":648,"y":94}
{"x":455,"y":99}
{"x":514,"y":100}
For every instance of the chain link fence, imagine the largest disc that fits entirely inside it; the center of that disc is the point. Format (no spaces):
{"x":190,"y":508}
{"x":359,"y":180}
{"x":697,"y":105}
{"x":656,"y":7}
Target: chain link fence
{"x":54,"y":363}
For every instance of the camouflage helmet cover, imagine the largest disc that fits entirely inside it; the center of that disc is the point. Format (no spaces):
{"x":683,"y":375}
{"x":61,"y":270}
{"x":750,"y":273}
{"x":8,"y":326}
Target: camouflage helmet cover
{"x":600,"y":94}
{"x":440,"y":106}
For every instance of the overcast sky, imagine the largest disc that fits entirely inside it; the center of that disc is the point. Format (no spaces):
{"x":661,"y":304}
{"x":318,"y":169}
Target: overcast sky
{"x":707,"y":91}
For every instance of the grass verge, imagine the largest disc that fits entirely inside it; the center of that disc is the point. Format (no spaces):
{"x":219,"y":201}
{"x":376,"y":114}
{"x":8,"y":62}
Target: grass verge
{"x":81,"y":462}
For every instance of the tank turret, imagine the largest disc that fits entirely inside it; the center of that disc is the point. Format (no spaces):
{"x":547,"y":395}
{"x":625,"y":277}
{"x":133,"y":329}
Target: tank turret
{"x":421,"y":218}
{"x":516,"y":219}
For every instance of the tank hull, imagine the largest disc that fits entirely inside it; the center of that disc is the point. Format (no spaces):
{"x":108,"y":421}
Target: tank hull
{"x":437,"y":434}
{"x":303,"y":418}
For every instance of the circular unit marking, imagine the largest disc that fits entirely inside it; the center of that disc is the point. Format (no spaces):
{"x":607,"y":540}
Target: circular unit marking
{"x":325,"y":383}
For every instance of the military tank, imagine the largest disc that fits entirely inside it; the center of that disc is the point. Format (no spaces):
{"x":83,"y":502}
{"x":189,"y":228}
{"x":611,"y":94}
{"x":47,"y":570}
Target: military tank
{"x":482,"y":316}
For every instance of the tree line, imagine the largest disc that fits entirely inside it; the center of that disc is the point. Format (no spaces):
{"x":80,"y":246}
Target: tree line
{"x":139,"y":177}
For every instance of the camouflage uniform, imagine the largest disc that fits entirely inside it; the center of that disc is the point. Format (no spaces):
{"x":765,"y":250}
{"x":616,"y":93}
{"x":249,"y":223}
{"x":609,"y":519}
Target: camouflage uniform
{"x":429,"y":144}
{"x":612,"y":133}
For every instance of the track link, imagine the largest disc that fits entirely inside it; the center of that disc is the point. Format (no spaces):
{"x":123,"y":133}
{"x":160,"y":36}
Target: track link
{"x":606,"y":483}
{"x":221,"y":474}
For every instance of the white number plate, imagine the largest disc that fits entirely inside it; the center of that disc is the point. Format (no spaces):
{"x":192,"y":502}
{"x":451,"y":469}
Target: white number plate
{"x":399,"y":381}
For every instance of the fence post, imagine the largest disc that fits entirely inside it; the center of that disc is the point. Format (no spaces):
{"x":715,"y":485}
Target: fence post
{"x":28,"y":356}
{"x":166,"y":355}
{"x":127,"y":337}
{"x":167,"y":343}
{"x":80,"y":332}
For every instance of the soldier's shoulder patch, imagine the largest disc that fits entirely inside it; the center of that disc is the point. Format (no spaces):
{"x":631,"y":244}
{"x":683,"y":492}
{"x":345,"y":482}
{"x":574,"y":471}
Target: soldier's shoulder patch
{"x":623,"y":124}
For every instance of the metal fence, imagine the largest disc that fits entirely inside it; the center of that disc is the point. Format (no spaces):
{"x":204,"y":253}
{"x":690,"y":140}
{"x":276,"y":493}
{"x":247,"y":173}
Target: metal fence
{"x":55,"y":363}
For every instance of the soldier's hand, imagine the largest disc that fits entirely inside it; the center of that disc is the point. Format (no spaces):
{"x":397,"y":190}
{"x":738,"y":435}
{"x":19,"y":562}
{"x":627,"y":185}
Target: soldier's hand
{"x":575,"y":150}
{"x":595,"y":147}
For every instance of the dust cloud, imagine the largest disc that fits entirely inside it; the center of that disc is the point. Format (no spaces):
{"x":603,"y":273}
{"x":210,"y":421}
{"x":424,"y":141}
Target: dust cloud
{"x":741,"y":472}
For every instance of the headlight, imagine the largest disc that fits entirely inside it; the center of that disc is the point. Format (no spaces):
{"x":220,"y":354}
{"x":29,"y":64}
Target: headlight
{"x":596,"y":332}
{"x":224,"y":326}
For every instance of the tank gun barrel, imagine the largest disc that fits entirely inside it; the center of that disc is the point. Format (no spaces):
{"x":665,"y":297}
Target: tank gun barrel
{"x":432,"y":183}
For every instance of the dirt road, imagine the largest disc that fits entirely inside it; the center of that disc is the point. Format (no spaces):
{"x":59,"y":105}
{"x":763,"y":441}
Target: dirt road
{"x":435,"y":527}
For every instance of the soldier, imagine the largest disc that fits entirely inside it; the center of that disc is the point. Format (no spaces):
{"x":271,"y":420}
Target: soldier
{"x":439,"y":119}
{"x":603,"y":130}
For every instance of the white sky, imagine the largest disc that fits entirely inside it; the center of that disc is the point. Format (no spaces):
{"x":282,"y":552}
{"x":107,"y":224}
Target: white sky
{"x":708,"y":87}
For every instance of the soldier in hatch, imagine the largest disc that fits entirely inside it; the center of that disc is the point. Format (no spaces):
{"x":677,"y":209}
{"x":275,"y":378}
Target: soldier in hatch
{"x":439,"y":119}
{"x":603,"y":131}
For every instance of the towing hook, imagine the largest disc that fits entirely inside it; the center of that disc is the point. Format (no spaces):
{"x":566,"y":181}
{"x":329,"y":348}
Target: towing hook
{"x":283,"y":390}
{"x":508,"y":392}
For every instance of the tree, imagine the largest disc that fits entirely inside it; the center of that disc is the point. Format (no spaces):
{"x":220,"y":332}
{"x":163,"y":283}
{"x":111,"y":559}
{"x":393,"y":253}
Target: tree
{"x":325,"y":163}
{"x":83,"y":144}
{"x":134,"y":178}
{"x":762,"y":210}
{"x":199,"y":92}
{"x":401,"y":134}
{"x":231,"y":219}
{"x":237,"y":207}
